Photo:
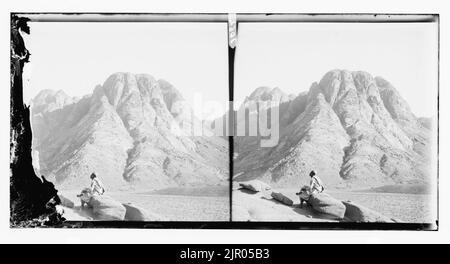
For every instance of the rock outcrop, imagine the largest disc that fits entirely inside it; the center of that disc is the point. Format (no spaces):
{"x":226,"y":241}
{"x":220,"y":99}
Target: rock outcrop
{"x":135,"y":213}
{"x":358,"y":213}
{"x":281,"y":198}
{"x":265,"y":93}
{"x":66,"y":201}
{"x":325,"y":204}
{"x":353,"y":129}
{"x":259,"y":206}
{"x":106,"y":208}
{"x":255,"y":186}
{"x":251,"y":202}
{"x":133,"y":132}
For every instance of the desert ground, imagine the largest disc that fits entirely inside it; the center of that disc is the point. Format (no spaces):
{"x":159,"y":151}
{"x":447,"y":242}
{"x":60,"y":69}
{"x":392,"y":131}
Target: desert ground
{"x":173,"y":204}
{"x":403,"y":207}
{"x":251,"y":206}
{"x":212,"y":204}
{"x":407,"y":208}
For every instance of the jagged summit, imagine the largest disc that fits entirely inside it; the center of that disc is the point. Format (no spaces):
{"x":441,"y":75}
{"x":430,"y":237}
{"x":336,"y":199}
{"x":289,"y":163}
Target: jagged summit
{"x":123,"y":132}
{"x":265,"y":93}
{"x":352,"y":128}
{"x":49,"y":100}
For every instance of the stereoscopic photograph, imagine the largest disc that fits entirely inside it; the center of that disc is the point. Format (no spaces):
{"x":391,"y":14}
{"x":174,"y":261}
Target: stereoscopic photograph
{"x":112,"y":118}
{"x":349,"y":126}
{"x":245,"y":120}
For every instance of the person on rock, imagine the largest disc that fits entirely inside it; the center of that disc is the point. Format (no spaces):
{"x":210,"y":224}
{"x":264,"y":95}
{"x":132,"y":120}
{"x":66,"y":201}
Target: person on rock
{"x":304,"y":194}
{"x":85,"y":197}
{"x":96,"y":185}
{"x":315,"y":184}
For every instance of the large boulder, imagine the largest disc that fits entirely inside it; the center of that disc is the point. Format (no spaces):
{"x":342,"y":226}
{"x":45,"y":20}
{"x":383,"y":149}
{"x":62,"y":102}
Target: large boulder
{"x":324,"y":203}
{"x":358,"y":213}
{"x":281,"y":198}
{"x":255,"y":185}
{"x":66,"y":201}
{"x":106,"y":208}
{"x":75,"y":214}
{"x":135,"y":213}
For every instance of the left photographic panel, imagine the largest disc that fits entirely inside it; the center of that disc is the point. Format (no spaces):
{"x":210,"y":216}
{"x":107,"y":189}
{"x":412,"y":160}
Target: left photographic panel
{"x":120,"y":119}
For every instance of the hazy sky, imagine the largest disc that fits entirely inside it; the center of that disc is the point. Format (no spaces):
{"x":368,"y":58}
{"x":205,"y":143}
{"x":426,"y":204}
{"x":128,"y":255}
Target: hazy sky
{"x":292,"y":56}
{"x":75,"y":57}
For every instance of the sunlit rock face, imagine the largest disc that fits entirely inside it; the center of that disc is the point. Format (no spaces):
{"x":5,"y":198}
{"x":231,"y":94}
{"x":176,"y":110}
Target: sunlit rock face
{"x":353,"y":129}
{"x":125,"y":132}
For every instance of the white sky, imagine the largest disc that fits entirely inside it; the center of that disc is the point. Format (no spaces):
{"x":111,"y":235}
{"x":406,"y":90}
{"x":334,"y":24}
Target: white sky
{"x":294,"y":55}
{"x":75,"y":57}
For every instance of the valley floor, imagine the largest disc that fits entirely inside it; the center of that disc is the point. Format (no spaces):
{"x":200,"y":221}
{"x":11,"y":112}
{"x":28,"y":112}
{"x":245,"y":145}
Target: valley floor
{"x":212,"y":204}
{"x":407,"y":208}
{"x":191,"y":205}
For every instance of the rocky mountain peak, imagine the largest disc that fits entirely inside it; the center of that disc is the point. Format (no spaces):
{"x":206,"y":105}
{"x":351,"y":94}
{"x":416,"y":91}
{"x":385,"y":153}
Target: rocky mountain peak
{"x":172,"y":97}
{"x":265,"y":93}
{"x":123,"y":132}
{"x":394,"y":103}
{"x":50,"y":100}
{"x":358,"y":126}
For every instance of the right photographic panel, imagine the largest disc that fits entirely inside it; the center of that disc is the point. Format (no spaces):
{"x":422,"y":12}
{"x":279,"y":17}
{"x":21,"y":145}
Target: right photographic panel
{"x":336,"y":122}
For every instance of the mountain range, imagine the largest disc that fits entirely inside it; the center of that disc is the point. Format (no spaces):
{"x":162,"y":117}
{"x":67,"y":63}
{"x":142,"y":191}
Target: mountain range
{"x":353,"y":129}
{"x":132,"y":131}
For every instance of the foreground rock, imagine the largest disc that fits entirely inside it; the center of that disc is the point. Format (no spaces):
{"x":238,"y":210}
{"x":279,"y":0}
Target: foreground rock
{"x":107,"y":209}
{"x":282,"y":198}
{"x":66,"y":201}
{"x":255,"y":185}
{"x":324,"y":203}
{"x":358,"y":213}
{"x":76,"y":214}
{"x":260,"y":206}
{"x":135,"y":213}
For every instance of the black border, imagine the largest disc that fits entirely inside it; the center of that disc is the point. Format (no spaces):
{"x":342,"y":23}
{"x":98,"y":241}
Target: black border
{"x":249,"y":18}
{"x":223,"y":225}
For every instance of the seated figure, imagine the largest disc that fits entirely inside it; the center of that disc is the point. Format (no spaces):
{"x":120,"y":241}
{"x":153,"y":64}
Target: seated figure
{"x":304,"y":194}
{"x":85,"y":196}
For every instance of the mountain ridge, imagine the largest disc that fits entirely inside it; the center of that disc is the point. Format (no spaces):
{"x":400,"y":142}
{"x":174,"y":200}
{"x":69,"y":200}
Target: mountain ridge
{"x":124,"y":131}
{"x":356,"y":124}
